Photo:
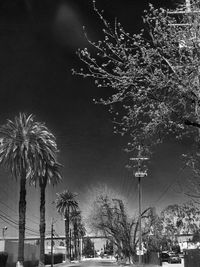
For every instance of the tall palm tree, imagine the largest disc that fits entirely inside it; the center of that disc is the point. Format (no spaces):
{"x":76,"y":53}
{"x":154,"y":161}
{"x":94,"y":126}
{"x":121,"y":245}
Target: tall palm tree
{"x":75,"y":219}
{"x":65,"y":204}
{"x":78,"y":229}
{"x":81,"y":234}
{"x":50,"y":174}
{"x":25,"y":146}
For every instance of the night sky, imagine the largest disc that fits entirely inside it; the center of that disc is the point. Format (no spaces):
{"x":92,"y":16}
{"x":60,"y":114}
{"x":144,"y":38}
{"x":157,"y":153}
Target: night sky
{"x":37,"y":52}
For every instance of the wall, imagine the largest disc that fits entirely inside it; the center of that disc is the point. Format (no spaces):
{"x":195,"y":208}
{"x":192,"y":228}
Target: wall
{"x":192,"y":258}
{"x":31,"y":252}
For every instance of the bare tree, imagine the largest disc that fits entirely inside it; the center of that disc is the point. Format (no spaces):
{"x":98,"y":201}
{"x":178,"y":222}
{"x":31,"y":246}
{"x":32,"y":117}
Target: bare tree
{"x":109,"y":217}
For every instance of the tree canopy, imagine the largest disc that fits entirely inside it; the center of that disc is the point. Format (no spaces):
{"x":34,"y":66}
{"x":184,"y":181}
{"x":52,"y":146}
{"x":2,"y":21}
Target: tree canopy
{"x":180,"y":219}
{"x":154,"y":75}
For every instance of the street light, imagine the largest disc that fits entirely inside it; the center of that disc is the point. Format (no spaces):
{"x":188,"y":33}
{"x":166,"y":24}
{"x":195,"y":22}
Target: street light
{"x":3,"y":231}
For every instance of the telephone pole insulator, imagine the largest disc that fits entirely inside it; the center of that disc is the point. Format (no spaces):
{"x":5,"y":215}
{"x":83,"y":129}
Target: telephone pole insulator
{"x":140,"y":174}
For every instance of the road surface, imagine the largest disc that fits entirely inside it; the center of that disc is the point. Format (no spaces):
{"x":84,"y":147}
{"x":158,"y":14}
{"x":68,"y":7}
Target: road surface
{"x":98,"y":262}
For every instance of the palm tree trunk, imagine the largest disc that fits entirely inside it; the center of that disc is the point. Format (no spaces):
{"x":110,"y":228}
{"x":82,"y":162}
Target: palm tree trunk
{"x":75,"y":239}
{"x":67,"y":235}
{"x":42,"y":223}
{"x":22,"y":222}
{"x":78,"y":248}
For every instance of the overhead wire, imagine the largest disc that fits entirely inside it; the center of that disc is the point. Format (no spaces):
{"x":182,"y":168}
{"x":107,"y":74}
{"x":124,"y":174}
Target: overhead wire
{"x":5,"y":216}
{"x":14,"y":211}
{"x":163,"y":193}
{"x":3,"y":190}
{"x":15,"y":224}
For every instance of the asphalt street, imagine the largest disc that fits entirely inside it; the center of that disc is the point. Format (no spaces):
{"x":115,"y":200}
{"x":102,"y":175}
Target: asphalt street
{"x":108,"y":263}
{"x":97,"y":262}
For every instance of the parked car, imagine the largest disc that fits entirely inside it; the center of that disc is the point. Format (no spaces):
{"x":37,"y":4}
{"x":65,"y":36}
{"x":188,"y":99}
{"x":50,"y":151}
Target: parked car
{"x":174,"y":258}
{"x":164,"y":256}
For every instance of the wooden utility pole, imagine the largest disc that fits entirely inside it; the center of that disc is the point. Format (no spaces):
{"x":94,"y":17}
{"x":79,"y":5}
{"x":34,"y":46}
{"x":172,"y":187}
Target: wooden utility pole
{"x":81,"y":247}
{"x":140,"y":174}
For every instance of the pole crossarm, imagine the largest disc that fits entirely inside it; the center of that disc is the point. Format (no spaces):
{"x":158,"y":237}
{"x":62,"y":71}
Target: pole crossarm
{"x":186,"y":11}
{"x":139,"y":159}
{"x":140,"y":174}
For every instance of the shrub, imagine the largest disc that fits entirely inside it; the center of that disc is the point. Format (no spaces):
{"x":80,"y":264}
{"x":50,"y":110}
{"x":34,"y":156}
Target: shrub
{"x":57,"y":258}
{"x":3,"y":258}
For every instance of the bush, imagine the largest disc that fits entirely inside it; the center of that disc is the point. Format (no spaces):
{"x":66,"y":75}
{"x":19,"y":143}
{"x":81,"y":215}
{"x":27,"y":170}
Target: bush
{"x":3,"y":258}
{"x":57,"y":258}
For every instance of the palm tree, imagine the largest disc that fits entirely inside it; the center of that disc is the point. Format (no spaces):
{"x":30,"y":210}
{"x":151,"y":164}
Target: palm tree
{"x":51,"y":175}
{"x":75,"y":219}
{"x":78,"y":229}
{"x":65,"y":204}
{"x":81,"y":234}
{"x":25,"y":146}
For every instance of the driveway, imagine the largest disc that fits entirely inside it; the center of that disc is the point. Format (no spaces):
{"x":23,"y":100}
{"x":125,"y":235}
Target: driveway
{"x":166,"y":264}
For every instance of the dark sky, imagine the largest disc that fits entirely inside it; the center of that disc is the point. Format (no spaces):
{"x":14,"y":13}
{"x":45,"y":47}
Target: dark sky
{"x":37,"y":53}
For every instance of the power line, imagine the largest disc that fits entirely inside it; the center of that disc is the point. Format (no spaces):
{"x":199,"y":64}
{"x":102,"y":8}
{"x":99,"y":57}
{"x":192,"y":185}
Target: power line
{"x":2,"y":189}
{"x":5,"y":216}
{"x":169,"y":186}
{"x":17,"y":213}
{"x":11,"y":224}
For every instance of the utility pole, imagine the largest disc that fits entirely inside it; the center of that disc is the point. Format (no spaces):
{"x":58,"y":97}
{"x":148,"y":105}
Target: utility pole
{"x":81,"y":247}
{"x":94,"y":249}
{"x":139,"y":174}
{"x":52,"y":244}
{"x":188,"y":5}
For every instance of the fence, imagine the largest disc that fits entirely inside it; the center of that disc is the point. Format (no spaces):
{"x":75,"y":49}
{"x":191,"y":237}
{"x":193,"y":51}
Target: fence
{"x":192,"y":258}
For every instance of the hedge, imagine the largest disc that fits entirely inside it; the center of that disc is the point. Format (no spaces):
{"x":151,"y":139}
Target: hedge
{"x":57,"y":258}
{"x":3,"y":258}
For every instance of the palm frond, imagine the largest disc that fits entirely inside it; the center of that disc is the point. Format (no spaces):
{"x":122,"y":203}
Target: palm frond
{"x":66,"y":200}
{"x":28,"y":145}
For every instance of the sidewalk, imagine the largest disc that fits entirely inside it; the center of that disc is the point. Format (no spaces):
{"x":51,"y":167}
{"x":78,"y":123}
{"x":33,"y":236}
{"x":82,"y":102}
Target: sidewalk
{"x":64,"y":264}
{"x":143,"y":265}
{"x":136,"y":265}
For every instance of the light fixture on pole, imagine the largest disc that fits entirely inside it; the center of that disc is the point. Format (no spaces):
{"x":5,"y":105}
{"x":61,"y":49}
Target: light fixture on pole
{"x":3,"y":231}
{"x":140,"y":174}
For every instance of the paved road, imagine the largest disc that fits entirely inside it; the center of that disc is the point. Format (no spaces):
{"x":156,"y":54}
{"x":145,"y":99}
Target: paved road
{"x":108,"y":263}
{"x":98,"y":263}
{"x":89,"y":263}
